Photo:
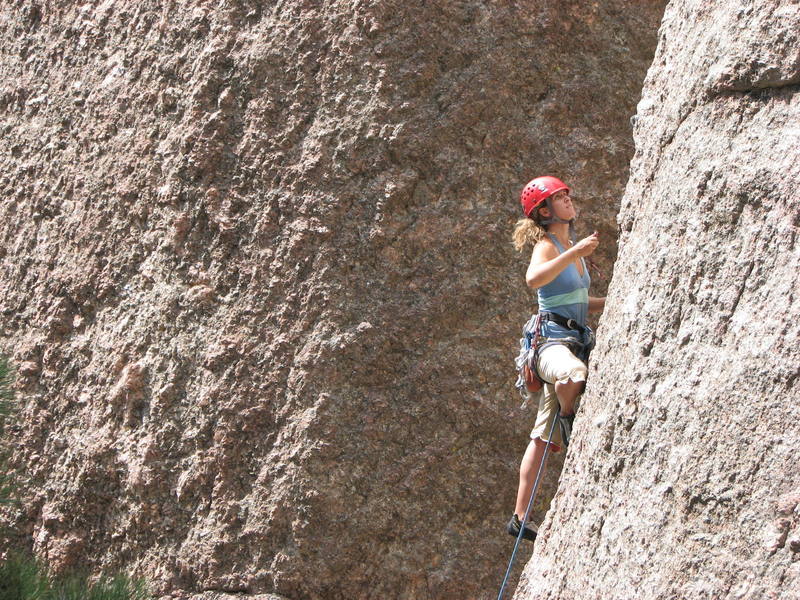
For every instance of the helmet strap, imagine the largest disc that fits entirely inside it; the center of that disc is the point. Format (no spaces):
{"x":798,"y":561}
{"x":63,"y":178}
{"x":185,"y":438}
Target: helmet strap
{"x":554,"y":219}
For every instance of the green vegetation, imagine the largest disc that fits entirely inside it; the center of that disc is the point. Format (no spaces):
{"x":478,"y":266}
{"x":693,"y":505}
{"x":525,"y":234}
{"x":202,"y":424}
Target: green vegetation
{"x":6,"y":414}
{"x":22,"y":577}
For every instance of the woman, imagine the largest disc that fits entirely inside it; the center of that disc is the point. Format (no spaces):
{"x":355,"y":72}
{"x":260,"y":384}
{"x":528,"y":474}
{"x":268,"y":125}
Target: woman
{"x":559,"y":272}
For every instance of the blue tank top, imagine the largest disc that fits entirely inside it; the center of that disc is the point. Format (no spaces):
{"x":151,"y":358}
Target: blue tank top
{"x":567,"y":295}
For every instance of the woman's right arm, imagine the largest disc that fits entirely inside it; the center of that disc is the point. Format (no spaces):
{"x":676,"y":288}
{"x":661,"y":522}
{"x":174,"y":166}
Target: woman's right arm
{"x":547,"y":263}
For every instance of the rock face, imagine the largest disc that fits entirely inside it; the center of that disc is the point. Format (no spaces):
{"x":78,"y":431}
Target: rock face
{"x":684,"y":479}
{"x":257,"y":281}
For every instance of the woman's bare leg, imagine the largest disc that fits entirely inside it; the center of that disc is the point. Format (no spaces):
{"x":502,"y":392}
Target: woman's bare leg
{"x":527,"y":474}
{"x":566,"y":393}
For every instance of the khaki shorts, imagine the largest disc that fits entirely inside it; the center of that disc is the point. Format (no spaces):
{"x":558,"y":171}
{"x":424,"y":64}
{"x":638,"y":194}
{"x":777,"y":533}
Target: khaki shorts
{"x":556,"y":364}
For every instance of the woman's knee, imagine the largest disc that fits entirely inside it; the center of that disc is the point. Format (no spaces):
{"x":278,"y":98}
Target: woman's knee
{"x":571,"y":387}
{"x":529,"y":463}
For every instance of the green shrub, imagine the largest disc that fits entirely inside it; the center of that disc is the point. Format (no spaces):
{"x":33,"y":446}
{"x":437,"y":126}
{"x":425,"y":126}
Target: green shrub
{"x":22,"y":578}
{"x":5,"y":381}
{"x":6,"y":415}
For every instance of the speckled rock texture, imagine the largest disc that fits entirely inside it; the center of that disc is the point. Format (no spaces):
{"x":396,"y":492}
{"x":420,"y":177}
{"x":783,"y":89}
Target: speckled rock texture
{"x":257,"y":279}
{"x":684,"y":479}
{"x":223,"y":596}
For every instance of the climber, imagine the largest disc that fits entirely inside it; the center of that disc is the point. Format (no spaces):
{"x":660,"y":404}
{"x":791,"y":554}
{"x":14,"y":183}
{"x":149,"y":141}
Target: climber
{"x":558,"y":270}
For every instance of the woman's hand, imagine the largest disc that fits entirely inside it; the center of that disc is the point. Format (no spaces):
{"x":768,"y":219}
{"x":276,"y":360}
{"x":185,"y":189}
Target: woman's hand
{"x":546,"y":263}
{"x":587,"y":245}
{"x":596,"y":304}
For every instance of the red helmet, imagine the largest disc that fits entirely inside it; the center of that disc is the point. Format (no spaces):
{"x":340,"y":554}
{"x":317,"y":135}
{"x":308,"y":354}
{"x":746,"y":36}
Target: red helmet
{"x":538,"y":190}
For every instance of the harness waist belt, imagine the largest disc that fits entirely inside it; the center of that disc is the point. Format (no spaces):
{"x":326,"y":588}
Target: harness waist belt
{"x":559,"y":320}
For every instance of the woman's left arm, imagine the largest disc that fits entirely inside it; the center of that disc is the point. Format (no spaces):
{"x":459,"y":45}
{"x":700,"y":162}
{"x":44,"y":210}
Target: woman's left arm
{"x":596,"y":304}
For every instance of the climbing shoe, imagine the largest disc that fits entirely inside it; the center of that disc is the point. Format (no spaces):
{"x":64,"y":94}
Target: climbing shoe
{"x":513,"y":529}
{"x":565,"y":427}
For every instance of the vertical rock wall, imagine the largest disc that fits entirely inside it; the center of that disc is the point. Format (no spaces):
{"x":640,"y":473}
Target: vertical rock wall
{"x":257,"y":281}
{"x":684,"y":478}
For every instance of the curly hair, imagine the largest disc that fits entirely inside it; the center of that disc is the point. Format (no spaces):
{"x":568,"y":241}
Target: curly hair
{"x":527,"y":232}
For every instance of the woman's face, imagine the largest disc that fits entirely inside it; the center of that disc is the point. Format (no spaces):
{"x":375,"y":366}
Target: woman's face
{"x":562,"y":205}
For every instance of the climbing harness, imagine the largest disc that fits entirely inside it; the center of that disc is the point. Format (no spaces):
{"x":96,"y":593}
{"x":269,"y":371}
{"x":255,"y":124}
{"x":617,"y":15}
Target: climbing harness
{"x":527,"y":510}
{"x":581,"y":345}
{"x":532,"y":344}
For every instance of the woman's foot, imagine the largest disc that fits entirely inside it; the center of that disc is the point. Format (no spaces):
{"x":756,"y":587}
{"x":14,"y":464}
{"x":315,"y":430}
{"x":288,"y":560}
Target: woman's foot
{"x":528,"y":532}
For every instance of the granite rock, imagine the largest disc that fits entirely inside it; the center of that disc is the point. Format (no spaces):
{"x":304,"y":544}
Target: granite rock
{"x":257,"y":276}
{"x":683,"y":479}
